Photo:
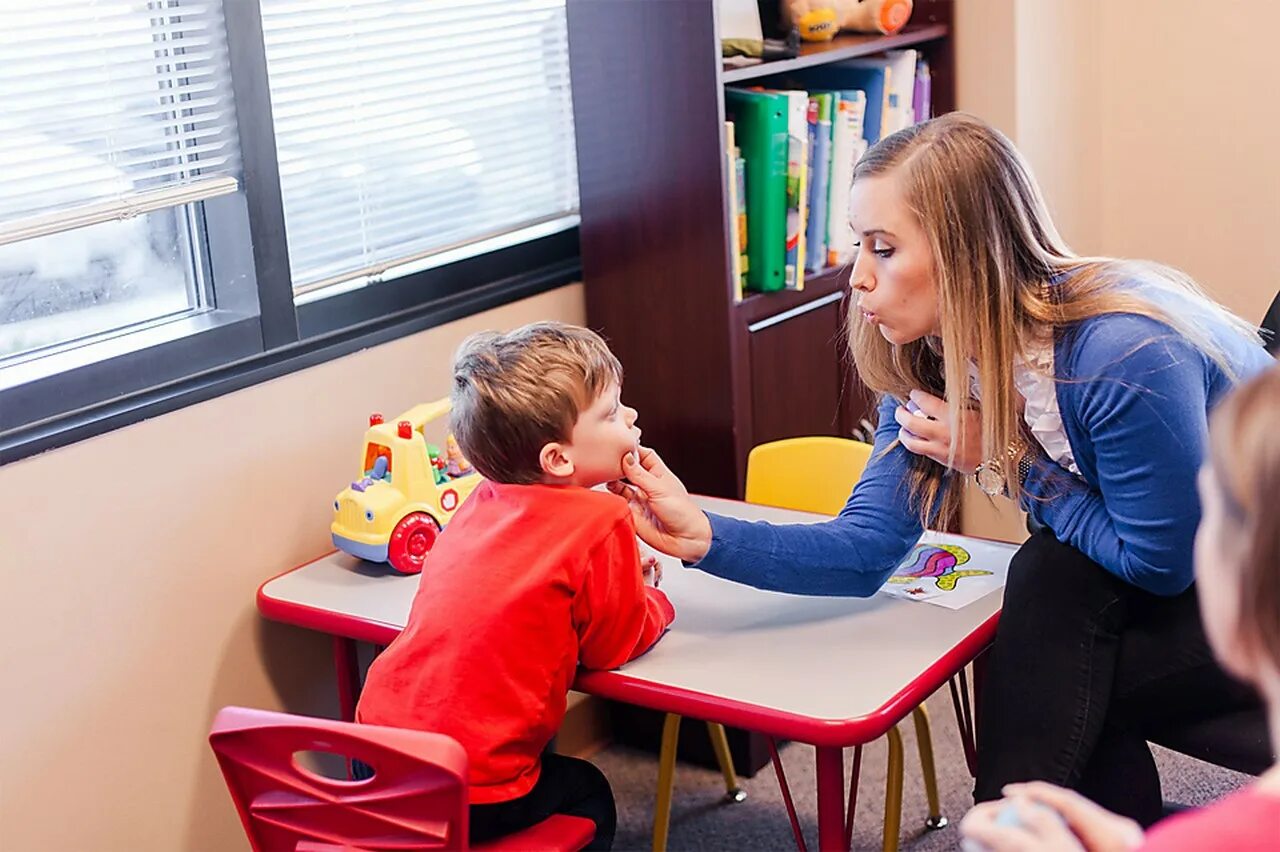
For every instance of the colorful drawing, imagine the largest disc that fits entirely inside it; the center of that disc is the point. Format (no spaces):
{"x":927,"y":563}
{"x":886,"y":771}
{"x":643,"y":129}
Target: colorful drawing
{"x":939,"y":562}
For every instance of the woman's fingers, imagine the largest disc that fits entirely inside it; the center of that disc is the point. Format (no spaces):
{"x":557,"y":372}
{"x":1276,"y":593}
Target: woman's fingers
{"x":922,"y":427}
{"x":931,"y":405}
{"x":645,"y":472}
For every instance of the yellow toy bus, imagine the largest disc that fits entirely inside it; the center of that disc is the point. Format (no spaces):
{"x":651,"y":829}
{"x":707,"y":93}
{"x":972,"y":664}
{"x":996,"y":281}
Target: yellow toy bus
{"x":407,"y":491}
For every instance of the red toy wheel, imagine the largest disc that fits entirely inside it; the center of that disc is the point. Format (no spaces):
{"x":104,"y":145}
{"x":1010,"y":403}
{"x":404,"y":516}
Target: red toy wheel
{"x":411,"y":541}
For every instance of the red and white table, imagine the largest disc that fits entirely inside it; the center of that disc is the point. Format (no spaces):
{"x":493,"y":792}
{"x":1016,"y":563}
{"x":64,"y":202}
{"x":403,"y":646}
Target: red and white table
{"x":831,"y":672}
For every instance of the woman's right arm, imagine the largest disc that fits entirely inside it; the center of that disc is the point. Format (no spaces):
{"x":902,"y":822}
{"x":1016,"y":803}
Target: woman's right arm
{"x":851,"y":555}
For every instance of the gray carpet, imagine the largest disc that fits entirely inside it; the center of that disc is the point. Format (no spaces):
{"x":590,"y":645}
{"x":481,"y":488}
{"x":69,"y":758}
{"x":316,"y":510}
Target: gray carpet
{"x":700,"y":819}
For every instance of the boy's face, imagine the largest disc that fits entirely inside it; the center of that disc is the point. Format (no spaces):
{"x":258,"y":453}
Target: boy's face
{"x":604,"y":433}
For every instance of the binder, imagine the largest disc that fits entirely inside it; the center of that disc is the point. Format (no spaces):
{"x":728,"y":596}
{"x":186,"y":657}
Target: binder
{"x":760,"y":125}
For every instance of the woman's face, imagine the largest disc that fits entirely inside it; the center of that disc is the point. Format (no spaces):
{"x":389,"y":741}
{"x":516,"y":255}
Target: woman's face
{"x":893,"y":269}
{"x":1218,"y":577}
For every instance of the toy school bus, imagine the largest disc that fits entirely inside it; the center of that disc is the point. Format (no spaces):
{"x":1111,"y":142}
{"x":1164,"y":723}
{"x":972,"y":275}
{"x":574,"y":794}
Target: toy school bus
{"x":407,"y":491}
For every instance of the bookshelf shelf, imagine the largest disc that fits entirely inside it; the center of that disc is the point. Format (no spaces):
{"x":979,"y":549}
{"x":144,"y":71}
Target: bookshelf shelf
{"x":756,"y":307}
{"x":845,"y":46}
{"x":710,"y":376}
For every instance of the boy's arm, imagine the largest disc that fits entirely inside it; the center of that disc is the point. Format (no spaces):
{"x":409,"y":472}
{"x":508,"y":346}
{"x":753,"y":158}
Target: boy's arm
{"x":618,"y":618}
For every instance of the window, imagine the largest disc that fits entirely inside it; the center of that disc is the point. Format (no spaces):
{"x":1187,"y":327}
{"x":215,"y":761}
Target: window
{"x":200,"y":194}
{"x":410,"y":133}
{"x":117,"y":136}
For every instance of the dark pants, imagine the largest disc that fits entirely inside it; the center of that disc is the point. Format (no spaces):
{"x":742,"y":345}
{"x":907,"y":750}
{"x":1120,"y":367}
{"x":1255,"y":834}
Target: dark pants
{"x":566,"y":785}
{"x":1084,"y":669}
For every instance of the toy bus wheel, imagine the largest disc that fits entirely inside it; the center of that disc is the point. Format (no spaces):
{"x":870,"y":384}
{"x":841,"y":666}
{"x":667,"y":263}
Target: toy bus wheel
{"x":411,"y":541}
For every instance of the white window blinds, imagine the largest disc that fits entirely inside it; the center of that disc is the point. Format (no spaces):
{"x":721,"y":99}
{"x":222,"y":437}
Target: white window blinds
{"x":411,"y":131}
{"x":109,"y":109}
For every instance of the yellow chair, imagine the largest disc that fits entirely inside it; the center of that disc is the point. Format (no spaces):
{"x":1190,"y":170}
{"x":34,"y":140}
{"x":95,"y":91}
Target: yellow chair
{"x":816,"y":474}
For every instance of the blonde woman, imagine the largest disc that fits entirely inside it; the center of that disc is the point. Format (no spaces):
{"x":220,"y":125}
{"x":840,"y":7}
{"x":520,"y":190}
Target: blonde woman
{"x":1078,"y":386}
{"x":1235,"y":559}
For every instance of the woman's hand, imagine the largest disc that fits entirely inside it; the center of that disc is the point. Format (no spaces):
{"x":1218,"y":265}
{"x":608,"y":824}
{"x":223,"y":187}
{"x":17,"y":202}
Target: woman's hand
{"x":928,"y":433}
{"x":1083,"y":824}
{"x":666,"y":517}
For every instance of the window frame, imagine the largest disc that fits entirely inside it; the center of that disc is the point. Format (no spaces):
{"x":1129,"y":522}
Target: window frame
{"x":256,"y":329}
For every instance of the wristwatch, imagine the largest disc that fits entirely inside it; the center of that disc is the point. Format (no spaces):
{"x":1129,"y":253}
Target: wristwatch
{"x":991,"y":476}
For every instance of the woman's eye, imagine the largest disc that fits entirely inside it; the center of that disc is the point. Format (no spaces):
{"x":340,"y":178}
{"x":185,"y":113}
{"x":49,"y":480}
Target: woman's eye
{"x":883,"y":251}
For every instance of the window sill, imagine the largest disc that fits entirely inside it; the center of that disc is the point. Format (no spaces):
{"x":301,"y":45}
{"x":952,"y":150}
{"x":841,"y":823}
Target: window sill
{"x":321,"y":345}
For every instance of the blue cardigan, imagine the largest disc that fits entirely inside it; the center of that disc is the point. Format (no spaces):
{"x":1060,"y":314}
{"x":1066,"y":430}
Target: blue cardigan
{"x":1134,"y":398}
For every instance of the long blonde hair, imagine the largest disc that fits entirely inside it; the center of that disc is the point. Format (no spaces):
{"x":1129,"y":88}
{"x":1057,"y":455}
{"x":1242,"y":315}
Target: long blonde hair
{"x":995,"y":250}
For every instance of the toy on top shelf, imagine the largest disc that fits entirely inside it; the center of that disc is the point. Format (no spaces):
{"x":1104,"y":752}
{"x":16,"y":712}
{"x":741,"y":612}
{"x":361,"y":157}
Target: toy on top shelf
{"x":820,"y":20}
{"x":406,"y":493}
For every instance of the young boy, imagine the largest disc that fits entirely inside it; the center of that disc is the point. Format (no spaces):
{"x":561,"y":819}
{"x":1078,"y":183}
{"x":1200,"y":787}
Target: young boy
{"x":535,"y":574}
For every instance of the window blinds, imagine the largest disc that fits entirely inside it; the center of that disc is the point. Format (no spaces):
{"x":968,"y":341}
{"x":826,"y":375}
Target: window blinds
{"x":109,"y":109}
{"x":407,"y":130}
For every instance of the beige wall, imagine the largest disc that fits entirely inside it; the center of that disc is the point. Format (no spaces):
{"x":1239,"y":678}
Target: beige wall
{"x":1151,"y":128}
{"x":130,"y":565}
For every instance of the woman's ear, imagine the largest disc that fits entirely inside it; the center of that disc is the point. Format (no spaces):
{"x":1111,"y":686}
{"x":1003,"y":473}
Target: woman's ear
{"x":554,"y":461}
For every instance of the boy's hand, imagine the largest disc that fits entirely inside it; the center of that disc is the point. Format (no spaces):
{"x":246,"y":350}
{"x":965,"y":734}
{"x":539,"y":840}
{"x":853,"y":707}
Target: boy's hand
{"x":650,"y":568}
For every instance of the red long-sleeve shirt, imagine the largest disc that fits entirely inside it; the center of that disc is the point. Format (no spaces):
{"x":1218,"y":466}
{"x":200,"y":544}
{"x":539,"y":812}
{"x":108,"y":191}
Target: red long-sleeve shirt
{"x":526,"y":583}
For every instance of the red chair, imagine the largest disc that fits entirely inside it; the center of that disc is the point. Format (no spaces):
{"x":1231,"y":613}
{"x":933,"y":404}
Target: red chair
{"x":416,"y":798}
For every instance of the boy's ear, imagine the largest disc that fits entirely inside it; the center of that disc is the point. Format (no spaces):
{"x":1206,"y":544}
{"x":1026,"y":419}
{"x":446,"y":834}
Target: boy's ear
{"x":554,"y":461}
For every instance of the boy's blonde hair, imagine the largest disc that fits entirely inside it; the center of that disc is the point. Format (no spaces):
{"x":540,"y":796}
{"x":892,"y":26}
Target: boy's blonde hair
{"x":514,"y":393}
{"x":1244,"y":451}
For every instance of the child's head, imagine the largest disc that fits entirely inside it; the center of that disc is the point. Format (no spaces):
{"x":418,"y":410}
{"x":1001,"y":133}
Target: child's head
{"x":541,"y":404}
{"x":1238,"y":543}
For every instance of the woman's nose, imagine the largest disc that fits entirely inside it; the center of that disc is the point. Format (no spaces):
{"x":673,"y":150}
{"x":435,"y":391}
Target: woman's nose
{"x":861,"y":277}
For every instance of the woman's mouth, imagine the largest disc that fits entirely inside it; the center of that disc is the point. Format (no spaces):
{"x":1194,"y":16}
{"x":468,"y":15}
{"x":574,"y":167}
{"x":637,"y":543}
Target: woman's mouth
{"x":869,"y":316}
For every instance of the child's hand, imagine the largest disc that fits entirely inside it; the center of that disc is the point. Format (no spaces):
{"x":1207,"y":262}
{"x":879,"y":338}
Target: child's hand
{"x":650,"y":567}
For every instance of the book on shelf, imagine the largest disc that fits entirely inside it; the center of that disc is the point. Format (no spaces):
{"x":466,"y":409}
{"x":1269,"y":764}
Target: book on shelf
{"x":819,"y":178}
{"x":760,"y":129}
{"x":847,"y":147}
{"x":797,"y":186}
{"x":734,"y":178}
{"x":869,"y":74}
{"x":922,"y":103}
{"x":740,"y":187}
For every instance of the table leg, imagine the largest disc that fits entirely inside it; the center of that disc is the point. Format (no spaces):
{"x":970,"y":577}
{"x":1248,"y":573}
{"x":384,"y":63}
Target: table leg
{"x":786,"y":795}
{"x":347,"y":671}
{"x":830,"y":766}
{"x":853,"y":797}
{"x":893,"y":791}
{"x":964,"y":719}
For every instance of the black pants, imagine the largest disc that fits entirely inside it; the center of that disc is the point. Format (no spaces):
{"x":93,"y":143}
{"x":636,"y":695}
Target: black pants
{"x":1084,"y":668}
{"x":566,"y":785}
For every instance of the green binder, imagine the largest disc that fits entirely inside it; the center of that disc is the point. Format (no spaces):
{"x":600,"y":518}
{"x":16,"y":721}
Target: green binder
{"x":760,"y":127}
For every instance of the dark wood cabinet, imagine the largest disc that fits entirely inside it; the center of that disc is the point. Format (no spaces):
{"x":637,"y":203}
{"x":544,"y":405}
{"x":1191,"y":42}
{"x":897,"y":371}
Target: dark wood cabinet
{"x":711,"y":377}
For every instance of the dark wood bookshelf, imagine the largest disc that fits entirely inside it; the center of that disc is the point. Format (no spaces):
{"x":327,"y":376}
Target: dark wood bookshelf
{"x":755,"y":307}
{"x":710,"y":376}
{"x":843,"y":46}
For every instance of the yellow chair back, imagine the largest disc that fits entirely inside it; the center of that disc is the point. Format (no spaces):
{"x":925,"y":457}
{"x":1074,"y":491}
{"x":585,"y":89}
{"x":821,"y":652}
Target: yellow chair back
{"x":812,"y":474}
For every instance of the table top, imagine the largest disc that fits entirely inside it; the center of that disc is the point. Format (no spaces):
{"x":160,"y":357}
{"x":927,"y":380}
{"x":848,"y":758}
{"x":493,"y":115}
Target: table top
{"x":827,"y":671}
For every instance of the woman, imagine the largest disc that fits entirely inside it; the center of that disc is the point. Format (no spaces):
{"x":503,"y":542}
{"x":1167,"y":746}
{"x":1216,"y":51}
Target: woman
{"x":1235,"y":563}
{"x":1078,"y":386}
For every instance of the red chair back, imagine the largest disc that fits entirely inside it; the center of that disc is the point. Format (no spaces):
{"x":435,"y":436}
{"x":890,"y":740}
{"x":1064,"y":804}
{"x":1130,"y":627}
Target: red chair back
{"x":416,"y":799}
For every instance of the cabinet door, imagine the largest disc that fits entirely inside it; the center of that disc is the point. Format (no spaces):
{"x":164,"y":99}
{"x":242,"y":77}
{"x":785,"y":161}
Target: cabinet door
{"x":797,"y":371}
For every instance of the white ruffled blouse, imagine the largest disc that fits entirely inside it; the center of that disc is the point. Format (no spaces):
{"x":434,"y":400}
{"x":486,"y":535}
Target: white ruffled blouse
{"x":1034,"y":380}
